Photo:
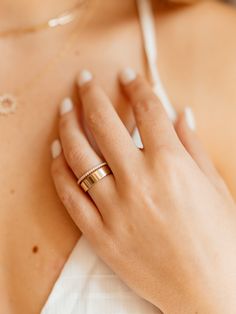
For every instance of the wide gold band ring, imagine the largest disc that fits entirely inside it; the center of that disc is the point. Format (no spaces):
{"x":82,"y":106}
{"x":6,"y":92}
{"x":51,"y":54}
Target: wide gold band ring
{"x":93,"y":176}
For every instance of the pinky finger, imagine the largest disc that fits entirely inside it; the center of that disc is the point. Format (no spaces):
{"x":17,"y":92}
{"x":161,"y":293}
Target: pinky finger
{"x":184,"y":127}
{"x":79,"y":205}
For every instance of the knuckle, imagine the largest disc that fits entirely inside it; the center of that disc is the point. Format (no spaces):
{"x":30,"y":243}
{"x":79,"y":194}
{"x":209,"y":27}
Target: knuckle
{"x":144,"y":94}
{"x":75,"y":156}
{"x":146,"y":109}
{"x":92,"y":118}
{"x":67,"y":198}
{"x":64,"y":122}
{"x":95,"y":120}
{"x":86,"y":89}
{"x":145,"y":104}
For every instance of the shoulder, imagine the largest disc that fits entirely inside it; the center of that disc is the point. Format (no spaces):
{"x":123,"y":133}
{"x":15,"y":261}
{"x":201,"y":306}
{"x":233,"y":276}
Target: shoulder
{"x":213,"y":10}
{"x":212,"y":35}
{"x":205,"y":31}
{"x":212,"y":26}
{"x":204,"y":19}
{"x":198,"y":62}
{"x":210,"y":20}
{"x":198,"y":41}
{"x":215,"y":22}
{"x":215,"y":48}
{"x":210,"y":29}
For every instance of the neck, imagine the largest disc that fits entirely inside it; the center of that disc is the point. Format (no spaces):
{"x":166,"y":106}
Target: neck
{"x":21,"y":13}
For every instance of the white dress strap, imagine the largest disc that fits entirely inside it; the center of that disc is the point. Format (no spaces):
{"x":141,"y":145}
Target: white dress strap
{"x":147,"y":22}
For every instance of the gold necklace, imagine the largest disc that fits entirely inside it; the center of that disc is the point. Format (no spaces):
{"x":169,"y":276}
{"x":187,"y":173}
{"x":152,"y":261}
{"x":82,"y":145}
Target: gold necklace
{"x":60,"y":20}
{"x":9,"y":102}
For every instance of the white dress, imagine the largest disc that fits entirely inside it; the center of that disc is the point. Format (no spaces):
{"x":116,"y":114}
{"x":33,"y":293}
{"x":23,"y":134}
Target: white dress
{"x":86,"y":285}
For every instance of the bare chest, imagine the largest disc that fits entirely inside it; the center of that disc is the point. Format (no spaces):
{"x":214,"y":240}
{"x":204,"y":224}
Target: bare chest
{"x":36,"y":233}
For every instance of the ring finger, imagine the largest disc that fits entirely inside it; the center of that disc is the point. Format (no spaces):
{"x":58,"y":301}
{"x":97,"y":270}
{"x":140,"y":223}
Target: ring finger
{"x":78,"y":152}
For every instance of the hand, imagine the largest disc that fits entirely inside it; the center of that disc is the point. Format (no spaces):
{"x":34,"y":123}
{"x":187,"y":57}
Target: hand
{"x":164,"y":221}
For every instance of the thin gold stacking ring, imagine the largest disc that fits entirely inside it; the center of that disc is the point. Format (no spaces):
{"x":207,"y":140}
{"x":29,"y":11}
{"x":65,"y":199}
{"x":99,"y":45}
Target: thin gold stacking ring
{"x":87,"y":180}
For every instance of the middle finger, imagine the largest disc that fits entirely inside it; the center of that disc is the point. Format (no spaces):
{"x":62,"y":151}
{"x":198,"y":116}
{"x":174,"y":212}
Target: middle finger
{"x":109,"y":132}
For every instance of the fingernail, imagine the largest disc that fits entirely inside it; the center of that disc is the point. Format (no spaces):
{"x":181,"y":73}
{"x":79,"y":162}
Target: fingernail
{"x":56,"y":149}
{"x":66,"y":106}
{"x":127,"y":76}
{"x":84,"y":77}
{"x":190,"y":119}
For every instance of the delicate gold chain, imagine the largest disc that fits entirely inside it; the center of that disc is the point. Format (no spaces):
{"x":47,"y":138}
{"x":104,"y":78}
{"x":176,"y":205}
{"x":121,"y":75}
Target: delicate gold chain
{"x":66,"y":47}
{"x":59,"y":20}
{"x":11,"y":100}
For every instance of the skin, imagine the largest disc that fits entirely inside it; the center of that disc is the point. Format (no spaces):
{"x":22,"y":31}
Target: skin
{"x":155,"y":200}
{"x":29,"y":203}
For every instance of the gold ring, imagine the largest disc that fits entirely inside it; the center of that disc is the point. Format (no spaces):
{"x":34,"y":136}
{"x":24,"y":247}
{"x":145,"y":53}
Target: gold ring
{"x":93,"y":176}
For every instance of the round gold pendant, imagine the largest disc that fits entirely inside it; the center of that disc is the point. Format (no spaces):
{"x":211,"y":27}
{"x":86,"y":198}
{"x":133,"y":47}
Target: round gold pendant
{"x":8,"y":104}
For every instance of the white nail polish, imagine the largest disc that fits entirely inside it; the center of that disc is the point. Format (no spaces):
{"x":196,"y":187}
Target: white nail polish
{"x":84,"y":77}
{"x":56,"y":149}
{"x":66,"y":106}
{"x":127,"y":76}
{"x":190,"y":119}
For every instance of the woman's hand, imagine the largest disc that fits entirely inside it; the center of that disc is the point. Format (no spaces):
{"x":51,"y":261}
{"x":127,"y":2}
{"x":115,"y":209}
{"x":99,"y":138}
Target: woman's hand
{"x":164,"y":221}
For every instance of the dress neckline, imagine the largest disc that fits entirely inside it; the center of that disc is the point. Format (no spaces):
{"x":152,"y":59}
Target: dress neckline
{"x":78,"y":257}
